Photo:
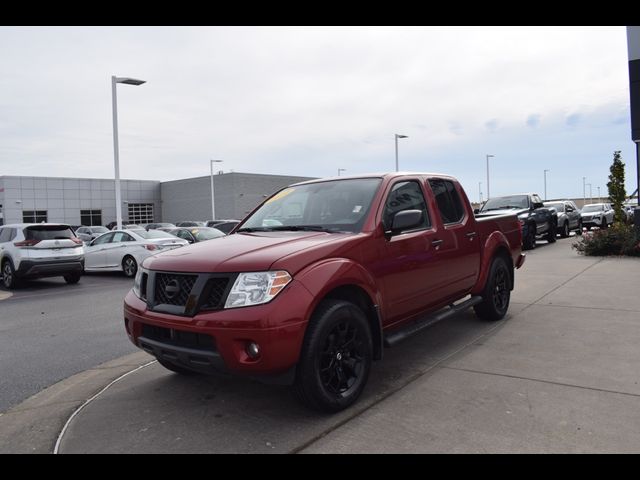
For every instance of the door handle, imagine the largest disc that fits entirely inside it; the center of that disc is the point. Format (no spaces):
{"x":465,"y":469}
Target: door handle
{"x":472,"y":234}
{"x":436,"y":243}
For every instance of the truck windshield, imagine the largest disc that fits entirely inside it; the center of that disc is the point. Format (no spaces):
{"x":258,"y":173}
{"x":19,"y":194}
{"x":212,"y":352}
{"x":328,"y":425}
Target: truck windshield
{"x":513,"y":201}
{"x":333,"y":206}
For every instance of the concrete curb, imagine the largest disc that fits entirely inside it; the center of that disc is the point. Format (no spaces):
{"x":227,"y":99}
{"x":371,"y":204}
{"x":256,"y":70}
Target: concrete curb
{"x":34,"y":425}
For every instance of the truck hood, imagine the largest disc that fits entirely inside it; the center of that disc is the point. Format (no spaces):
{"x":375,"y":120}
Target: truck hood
{"x":240,"y":252}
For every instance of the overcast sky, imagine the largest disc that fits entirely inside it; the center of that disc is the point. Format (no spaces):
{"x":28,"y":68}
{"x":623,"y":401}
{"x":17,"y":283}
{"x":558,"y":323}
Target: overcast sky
{"x":307,"y":101}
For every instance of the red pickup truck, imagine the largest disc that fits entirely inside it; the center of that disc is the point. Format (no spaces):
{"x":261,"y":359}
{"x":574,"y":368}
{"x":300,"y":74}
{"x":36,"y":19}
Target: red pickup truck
{"x":319,"y":278}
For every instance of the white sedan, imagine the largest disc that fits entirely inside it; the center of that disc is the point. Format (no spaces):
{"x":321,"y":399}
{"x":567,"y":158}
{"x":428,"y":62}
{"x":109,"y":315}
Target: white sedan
{"x":124,"y":250}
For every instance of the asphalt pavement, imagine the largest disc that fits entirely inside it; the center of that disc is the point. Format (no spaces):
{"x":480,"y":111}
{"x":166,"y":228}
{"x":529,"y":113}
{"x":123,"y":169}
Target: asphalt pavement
{"x":558,"y":374}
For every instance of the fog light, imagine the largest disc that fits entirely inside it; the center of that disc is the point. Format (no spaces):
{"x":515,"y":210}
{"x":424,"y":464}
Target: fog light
{"x":253,"y":350}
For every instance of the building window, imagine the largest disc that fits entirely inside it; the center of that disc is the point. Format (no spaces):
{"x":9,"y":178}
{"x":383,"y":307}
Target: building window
{"x":140,"y":213}
{"x":34,"y":216}
{"x":91,"y":218}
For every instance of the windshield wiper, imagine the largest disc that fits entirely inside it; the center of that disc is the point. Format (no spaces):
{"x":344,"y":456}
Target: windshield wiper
{"x":301,"y":228}
{"x":254,"y":229}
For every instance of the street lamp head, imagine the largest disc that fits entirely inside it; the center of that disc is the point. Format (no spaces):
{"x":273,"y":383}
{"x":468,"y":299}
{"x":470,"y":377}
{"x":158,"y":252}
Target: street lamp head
{"x":401,"y":136}
{"x":130,"y":81}
{"x":490,"y":156}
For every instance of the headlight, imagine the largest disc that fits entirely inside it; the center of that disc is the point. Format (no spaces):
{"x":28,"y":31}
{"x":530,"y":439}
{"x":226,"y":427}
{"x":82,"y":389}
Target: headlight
{"x":254,"y":288}
{"x":139,"y":289}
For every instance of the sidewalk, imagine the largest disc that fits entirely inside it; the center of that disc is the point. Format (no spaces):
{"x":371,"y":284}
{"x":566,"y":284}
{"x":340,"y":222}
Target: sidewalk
{"x":559,"y":374}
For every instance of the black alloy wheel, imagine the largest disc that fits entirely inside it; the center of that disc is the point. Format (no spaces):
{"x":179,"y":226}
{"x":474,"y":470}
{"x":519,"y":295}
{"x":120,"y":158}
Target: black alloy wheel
{"x":565,"y":230}
{"x":8,"y":275}
{"x":497,"y":292}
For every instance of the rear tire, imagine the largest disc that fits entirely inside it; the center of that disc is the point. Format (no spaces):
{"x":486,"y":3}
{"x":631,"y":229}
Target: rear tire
{"x":565,"y":230}
{"x":336,"y":357}
{"x":496,"y":293}
{"x":72,"y":278}
{"x":9,"y":279}
{"x":579,"y":231}
{"x":129,"y":266}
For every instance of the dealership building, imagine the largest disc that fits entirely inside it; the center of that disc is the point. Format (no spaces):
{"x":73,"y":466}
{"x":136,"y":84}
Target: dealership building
{"x":88,"y":201}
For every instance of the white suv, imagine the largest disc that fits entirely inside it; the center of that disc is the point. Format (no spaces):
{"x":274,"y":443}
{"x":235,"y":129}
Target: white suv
{"x":32,"y":250}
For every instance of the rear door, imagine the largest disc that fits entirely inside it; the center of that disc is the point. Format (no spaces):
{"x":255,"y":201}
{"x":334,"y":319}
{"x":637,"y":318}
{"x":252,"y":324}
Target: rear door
{"x":460,"y":248}
{"x":122,"y":244}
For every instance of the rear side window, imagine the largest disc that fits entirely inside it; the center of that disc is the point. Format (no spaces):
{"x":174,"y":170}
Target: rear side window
{"x":448,"y":200}
{"x":405,"y":196}
{"x":5,"y":234}
{"x":48,"y":232}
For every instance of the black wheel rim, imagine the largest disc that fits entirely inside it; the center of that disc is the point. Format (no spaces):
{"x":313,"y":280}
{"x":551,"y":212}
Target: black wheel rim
{"x":342,"y":359}
{"x":129,"y":267}
{"x":7,"y":275}
{"x":566,"y":230}
{"x":501,"y":289}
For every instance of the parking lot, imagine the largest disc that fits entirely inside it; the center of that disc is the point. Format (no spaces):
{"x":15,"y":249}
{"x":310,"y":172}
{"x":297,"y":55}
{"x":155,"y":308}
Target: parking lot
{"x":558,"y":374}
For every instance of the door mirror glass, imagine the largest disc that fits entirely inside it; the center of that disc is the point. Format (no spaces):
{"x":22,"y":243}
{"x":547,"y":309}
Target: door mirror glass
{"x":537,"y":205}
{"x":476,"y":211}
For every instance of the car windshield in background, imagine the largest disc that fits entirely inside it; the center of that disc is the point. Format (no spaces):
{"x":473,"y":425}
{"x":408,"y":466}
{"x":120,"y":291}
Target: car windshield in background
{"x":48,"y":232}
{"x":206,"y":234}
{"x":592,"y":208}
{"x":152,"y":234}
{"x":99,"y":229}
{"x":513,"y":201}
{"x":558,"y":206}
{"x":335,"y":206}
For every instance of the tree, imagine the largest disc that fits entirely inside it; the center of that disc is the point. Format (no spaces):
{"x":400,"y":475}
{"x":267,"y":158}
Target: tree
{"x":617,"y":192}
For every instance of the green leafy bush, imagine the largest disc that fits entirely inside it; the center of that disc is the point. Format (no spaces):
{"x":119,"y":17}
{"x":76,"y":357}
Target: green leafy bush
{"x":620,"y":239}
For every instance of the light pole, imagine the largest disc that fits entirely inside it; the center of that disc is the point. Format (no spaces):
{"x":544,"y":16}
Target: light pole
{"x":545,"y":184}
{"x":116,"y":155}
{"x":479,"y":192}
{"x":397,"y":137}
{"x":488,"y":192}
{"x":599,"y":199}
{"x":584,"y":191}
{"x":341,"y":170}
{"x":213,"y":204}
{"x":590,"y":193}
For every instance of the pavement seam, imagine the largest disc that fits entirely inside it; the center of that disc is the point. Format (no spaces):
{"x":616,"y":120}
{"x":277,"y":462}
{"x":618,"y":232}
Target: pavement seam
{"x":386,"y":395}
{"x":586,"y":308}
{"x":89,"y":400}
{"x":550,"y":382}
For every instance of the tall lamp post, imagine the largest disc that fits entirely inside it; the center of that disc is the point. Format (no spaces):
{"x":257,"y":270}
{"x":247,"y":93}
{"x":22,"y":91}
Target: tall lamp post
{"x":590,"y":193}
{"x":213,"y":204}
{"x":545,"y":184}
{"x":116,"y":154}
{"x":480,"y":192}
{"x":341,"y":170}
{"x":584,"y":191}
{"x":598,"y":194}
{"x":488,"y":191}
{"x":397,"y":137}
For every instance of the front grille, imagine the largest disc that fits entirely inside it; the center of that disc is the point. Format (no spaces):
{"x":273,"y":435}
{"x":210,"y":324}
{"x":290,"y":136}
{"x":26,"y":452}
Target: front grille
{"x":214,"y":293}
{"x":172,"y":289}
{"x":179,"y":338}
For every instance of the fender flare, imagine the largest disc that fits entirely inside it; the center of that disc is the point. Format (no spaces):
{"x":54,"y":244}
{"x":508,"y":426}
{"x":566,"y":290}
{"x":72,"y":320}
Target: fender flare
{"x":496,"y":241}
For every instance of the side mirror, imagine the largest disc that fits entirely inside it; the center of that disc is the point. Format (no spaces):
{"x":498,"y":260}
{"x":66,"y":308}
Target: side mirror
{"x":538,"y":205}
{"x":405,"y":220}
{"x":476,"y":211}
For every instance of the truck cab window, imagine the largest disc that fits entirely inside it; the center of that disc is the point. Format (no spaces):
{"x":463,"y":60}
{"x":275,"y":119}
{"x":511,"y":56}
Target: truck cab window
{"x":448,"y":200}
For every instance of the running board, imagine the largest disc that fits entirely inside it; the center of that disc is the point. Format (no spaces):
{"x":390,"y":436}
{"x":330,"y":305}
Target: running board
{"x":393,"y":338}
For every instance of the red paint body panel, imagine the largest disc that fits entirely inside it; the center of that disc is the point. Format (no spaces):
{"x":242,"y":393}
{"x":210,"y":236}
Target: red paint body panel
{"x":404,"y":275}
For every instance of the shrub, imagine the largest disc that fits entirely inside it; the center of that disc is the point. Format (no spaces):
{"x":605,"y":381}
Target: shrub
{"x":620,"y":239}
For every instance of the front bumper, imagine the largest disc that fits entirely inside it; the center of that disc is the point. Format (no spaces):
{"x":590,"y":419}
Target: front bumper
{"x":49,"y":268}
{"x":217,"y":341}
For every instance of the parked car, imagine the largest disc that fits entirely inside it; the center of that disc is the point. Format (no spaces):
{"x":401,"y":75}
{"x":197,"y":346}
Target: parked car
{"x":197,"y":234}
{"x":190,"y":224}
{"x":33,"y":250}
{"x":347,"y":266}
{"x":569,"y":218}
{"x":224,"y":226}
{"x":86,"y":234}
{"x":535,"y":218}
{"x":165,"y":227}
{"x":597,"y":215}
{"x":124,"y":250}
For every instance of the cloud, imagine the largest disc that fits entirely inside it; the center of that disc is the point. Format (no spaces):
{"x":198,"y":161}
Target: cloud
{"x":533,"y":120}
{"x":491,"y":125}
{"x":574,"y":119}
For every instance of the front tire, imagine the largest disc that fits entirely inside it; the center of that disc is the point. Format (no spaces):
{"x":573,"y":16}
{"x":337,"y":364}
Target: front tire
{"x":497,"y":292}
{"x":9,"y":279}
{"x":129,"y":266}
{"x":72,"y":278}
{"x":565,"y":230}
{"x":553,"y":231}
{"x":529,"y":242}
{"x":336,"y":357}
